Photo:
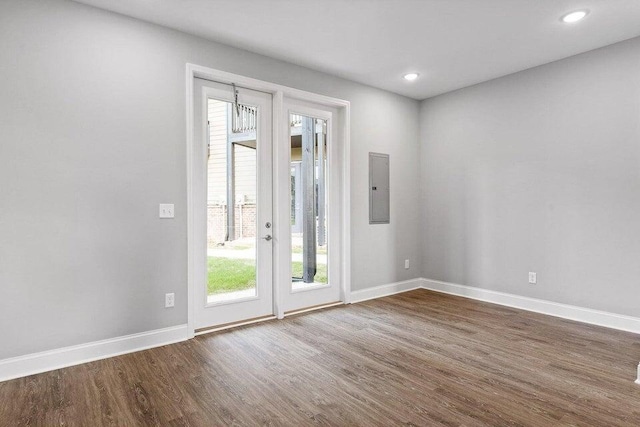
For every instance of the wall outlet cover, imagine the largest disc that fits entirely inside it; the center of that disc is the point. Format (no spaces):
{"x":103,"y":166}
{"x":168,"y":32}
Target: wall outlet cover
{"x":533,"y":278}
{"x":169,"y":300}
{"x":166,"y":210}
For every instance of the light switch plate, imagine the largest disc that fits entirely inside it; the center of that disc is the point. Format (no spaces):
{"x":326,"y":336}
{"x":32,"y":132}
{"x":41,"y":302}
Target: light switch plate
{"x":166,"y":210}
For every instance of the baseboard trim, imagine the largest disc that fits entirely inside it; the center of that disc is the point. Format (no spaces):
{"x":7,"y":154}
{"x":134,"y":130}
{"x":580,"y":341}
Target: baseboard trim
{"x":385,"y":290}
{"x":36,"y":363}
{"x":565,"y":311}
{"x":571,"y":312}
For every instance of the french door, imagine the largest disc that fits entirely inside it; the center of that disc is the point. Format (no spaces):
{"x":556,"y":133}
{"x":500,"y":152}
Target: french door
{"x":310,"y":226}
{"x":232,"y":202}
{"x":268,"y":238}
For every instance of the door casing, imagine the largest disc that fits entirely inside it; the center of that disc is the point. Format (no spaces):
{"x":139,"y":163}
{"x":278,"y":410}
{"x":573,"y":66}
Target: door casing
{"x":278,"y":117}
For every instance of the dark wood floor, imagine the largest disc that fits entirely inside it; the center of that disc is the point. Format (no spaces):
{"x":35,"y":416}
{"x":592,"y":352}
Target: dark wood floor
{"x":419,"y":358}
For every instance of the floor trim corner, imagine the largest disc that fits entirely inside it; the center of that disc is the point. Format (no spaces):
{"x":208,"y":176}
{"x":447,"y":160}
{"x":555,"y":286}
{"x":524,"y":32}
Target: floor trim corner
{"x":35,"y":363}
{"x":385,"y":290}
{"x":565,"y":311}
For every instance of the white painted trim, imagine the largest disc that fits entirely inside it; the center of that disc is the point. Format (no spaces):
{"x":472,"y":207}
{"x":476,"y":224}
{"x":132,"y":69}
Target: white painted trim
{"x":344,"y":123}
{"x":191,"y":236}
{"x":385,"y":290}
{"x":278,"y":92}
{"x":565,"y":311}
{"x":36,"y":363}
{"x":277,"y":114}
{"x":637,"y":381}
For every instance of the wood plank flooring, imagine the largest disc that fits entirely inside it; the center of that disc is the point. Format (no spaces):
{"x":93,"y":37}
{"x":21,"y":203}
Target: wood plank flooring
{"x":418,"y":358}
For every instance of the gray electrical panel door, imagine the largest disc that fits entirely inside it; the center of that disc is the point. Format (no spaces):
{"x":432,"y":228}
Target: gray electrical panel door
{"x":378,"y":188}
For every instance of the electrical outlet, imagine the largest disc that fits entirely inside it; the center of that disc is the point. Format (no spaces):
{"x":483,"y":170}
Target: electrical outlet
{"x":533,"y":278}
{"x":406,"y":264}
{"x":166,"y":210}
{"x":169,"y":300}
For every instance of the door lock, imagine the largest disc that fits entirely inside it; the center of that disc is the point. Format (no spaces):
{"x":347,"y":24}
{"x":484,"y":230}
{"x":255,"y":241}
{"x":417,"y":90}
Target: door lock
{"x":268,"y":225}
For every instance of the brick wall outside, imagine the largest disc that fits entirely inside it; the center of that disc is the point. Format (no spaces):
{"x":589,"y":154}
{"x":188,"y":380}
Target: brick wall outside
{"x":217,"y":222}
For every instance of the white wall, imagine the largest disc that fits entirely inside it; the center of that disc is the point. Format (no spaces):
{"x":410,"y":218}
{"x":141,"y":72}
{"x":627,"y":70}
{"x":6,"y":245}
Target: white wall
{"x":539,"y":171}
{"x":92,"y":119}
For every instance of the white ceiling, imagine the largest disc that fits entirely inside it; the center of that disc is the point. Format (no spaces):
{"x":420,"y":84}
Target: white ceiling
{"x":451,"y":43}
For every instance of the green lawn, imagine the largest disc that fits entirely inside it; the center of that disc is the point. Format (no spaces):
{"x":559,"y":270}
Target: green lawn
{"x":228,"y":275}
{"x":321,"y":272}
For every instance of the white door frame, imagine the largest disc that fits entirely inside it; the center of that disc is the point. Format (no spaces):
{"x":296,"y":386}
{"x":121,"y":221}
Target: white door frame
{"x":278,"y":92}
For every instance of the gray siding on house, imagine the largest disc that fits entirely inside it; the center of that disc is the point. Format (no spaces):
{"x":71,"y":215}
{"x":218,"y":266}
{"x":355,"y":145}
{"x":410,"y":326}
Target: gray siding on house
{"x":245,"y":160}
{"x":217,"y":162}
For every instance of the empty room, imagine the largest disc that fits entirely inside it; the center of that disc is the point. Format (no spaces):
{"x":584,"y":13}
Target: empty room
{"x":319,"y":212}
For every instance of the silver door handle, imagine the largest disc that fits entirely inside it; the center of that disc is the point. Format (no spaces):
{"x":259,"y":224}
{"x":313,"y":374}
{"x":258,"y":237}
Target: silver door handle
{"x":267,"y":237}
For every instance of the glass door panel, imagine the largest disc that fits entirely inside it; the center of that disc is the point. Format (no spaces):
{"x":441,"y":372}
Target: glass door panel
{"x":309,"y":232}
{"x":231,"y":203}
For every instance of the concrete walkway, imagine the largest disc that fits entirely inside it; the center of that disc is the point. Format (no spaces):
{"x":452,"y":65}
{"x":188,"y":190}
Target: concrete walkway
{"x":251,"y":254}
{"x":230,"y":296}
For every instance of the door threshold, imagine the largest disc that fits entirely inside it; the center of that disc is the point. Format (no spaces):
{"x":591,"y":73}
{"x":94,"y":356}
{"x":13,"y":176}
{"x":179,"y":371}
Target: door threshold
{"x":224,"y":326}
{"x":312,"y":308}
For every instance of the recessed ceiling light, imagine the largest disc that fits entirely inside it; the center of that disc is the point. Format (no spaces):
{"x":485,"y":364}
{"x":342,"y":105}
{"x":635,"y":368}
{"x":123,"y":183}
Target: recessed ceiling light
{"x":574,"y":16}
{"x":411,"y":76}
